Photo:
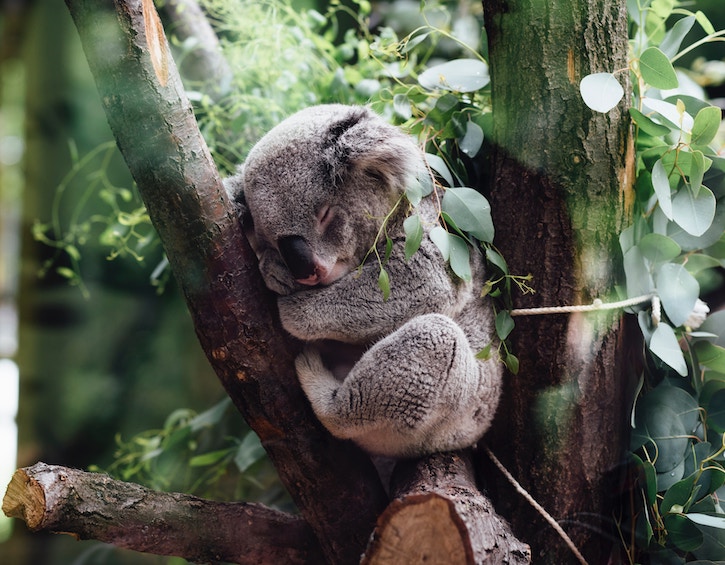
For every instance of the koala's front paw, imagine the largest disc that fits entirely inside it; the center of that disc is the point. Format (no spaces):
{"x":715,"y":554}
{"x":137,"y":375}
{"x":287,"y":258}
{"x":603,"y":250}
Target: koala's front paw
{"x":318,"y":382}
{"x":310,"y":368}
{"x":276,"y":276}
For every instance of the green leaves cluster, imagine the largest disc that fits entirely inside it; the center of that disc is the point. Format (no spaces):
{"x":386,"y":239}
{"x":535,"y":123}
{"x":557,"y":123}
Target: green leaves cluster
{"x":202,"y":454}
{"x":89,"y":207}
{"x":670,"y":252}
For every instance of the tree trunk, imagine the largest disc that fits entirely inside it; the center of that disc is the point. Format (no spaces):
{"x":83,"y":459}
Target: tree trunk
{"x":333,"y":483}
{"x":561,"y":187}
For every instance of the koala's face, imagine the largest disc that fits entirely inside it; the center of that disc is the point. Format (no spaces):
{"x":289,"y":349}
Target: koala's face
{"x":317,"y":187}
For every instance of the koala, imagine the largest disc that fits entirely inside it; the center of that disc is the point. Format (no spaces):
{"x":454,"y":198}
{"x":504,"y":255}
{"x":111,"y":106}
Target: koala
{"x":398,"y":376}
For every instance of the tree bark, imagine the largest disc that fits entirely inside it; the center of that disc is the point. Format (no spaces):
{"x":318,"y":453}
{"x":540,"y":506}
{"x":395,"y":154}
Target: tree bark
{"x":332,"y":482}
{"x":438,"y":515}
{"x":94,"y":506}
{"x":561,"y":189}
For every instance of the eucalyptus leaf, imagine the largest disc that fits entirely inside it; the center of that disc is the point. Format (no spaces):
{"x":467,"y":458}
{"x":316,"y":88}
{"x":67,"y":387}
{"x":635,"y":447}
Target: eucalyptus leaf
{"x":472,"y":141}
{"x":384,"y":283}
{"x":678,"y":291}
{"x":706,"y":125}
{"x":661,"y":184}
{"x":636,"y":271}
{"x":697,"y":172}
{"x":704,"y":22}
{"x":249,"y":452}
{"x":460,"y":257}
{"x":470,"y":211}
{"x":694,"y":213}
{"x":413,"y":41}
{"x":647,"y":125}
{"x":682,"y":533}
{"x":712,"y":520}
{"x":504,"y":324}
{"x":678,"y":495}
{"x":440,"y":167}
{"x":601,"y":91}
{"x":672,"y":40}
{"x":459,"y":75}
{"x":413,"y":228}
{"x":657,"y":70}
{"x":665,"y":346}
{"x":711,"y":356}
{"x":666,"y":480}
{"x":658,"y":248}
{"x":439,"y":236}
{"x":496,"y":259}
{"x":668,"y":111}
{"x":402,"y":106}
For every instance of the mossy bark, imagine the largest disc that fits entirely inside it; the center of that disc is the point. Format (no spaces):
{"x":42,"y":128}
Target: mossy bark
{"x":561,"y":189}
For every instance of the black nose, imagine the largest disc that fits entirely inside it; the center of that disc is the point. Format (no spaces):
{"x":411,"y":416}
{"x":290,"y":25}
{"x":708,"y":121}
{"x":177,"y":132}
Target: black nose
{"x":297,"y":255}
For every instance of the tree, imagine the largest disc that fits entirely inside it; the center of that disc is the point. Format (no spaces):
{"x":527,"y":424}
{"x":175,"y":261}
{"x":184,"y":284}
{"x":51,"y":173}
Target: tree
{"x":568,"y":404}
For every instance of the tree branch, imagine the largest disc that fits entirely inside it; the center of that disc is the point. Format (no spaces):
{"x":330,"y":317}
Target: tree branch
{"x":333,"y":483}
{"x":204,"y":62}
{"x":94,"y":506}
{"x":439,"y":515}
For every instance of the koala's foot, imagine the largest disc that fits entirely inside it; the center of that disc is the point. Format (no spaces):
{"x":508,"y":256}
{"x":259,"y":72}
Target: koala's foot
{"x":418,"y":390}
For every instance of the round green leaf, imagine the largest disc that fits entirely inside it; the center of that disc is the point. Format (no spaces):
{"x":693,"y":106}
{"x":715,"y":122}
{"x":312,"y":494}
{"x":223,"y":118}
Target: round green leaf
{"x":470,"y":211}
{"x":710,"y":355}
{"x":657,"y":70}
{"x":678,"y":291}
{"x":682,"y":533}
{"x":664,"y":345}
{"x":601,"y":91}
{"x":459,"y":75}
{"x":504,"y":324}
{"x":707,"y":122}
{"x":694,"y":213}
{"x":658,"y":248}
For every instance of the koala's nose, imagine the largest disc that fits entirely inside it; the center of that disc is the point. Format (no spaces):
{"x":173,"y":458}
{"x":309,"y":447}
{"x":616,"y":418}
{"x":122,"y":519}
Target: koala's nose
{"x":297,"y":255}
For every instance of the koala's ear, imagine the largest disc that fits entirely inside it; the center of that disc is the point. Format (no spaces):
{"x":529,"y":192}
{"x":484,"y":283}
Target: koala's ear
{"x":234,"y":186}
{"x":363,"y":141}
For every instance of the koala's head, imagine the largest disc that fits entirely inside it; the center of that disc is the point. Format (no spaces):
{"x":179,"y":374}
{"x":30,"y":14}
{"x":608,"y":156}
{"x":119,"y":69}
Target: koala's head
{"x":315,"y":190}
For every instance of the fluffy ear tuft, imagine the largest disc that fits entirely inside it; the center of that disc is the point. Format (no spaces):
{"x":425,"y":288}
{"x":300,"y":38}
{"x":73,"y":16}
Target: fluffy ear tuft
{"x":234,"y":186}
{"x":363,"y":142}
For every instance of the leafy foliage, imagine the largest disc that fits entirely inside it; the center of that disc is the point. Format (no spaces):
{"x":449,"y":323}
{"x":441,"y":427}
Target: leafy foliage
{"x":676,"y":239}
{"x":191,"y":453}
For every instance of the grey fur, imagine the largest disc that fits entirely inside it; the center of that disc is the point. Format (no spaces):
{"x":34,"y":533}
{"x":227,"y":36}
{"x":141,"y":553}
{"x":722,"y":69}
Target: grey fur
{"x":399,"y":376}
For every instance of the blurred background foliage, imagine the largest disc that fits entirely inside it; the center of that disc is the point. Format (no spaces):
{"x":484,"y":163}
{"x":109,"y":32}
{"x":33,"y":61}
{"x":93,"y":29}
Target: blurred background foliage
{"x":112,"y":376}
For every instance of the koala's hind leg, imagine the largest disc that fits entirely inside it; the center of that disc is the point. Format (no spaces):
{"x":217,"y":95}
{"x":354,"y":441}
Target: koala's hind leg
{"x":418,"y":390}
